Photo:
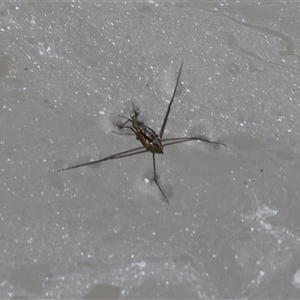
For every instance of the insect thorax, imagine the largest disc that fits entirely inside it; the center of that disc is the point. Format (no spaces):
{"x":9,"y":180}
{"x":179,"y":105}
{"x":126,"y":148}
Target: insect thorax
{"x":149,"y":133}
{"x":147,"y":136}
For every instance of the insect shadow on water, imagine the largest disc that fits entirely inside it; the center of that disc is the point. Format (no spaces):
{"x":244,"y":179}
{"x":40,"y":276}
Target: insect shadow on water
{"x":149,"y":139}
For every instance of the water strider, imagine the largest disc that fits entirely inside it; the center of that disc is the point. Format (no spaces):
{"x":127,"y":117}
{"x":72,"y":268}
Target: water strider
{"x":149,"y":139}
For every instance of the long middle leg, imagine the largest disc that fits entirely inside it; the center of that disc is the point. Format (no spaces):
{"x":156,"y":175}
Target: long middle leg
{"x":110,"y":157}
{"x":172,"y":141}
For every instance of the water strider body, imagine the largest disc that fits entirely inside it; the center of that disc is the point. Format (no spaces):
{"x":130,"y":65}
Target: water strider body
{"x":149,"y":139}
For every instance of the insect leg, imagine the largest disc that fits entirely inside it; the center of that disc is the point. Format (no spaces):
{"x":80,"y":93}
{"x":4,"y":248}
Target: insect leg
{"x":125,"y":127}
{"x":114,"y":156}
{"x":169,"y":107}
{"x":172,"y":141}
{"x":121,"y":133}
{"x":122,"y":125}
{"x":155,"y":179}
